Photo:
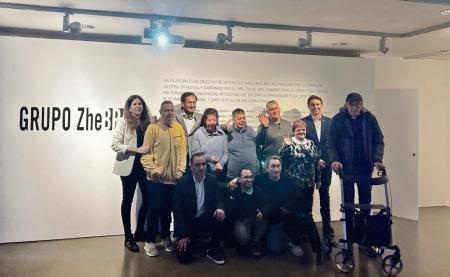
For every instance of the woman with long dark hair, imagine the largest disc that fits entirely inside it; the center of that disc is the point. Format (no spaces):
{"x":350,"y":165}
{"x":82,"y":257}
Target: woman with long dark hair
{"x":127,"y":142}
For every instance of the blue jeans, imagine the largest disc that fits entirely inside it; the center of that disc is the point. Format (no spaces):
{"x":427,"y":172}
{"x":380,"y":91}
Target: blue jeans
{"x":276,"y":240}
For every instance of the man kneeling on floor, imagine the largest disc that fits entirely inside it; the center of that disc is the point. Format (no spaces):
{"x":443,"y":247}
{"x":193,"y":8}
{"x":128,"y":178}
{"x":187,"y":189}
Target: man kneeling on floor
{"x":249,"y":208}
{"x":198,"y":210}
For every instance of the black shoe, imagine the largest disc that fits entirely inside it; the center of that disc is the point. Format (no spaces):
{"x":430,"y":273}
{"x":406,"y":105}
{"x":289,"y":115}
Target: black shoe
{"x":328,"y":231}
{"x":319,"y":258}
{"x":256,"y":251}
{"x":131,"y":245}
{"x":216,"y":255}
{"x":368,"y":251}
{"x":140,"y":236}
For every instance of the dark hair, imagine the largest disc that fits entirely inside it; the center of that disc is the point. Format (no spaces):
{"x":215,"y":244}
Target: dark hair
{"x":198,"y":154}
{"x":132,"y":122}
{"x":245,"y":168}
{"x":237,"y":111}
{"x":298,"y":123}
{"x":314,"y":97}
{"x":186,"y":95}
{"x":271,"y":158}
{"x":209,"y":111}
{"x":165,"y":102}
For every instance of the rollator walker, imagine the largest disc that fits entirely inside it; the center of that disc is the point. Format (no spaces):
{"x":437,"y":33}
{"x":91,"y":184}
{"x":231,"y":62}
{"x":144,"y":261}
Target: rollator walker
{"x":372,"y":226}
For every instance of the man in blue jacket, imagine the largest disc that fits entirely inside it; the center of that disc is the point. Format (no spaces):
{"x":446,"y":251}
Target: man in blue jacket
{"x":318,"y":127}
{"x":355,"y":147}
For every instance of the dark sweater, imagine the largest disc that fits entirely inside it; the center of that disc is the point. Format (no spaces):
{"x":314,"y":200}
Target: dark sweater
{"x":278,"y":194}
{"x":245,"y":205}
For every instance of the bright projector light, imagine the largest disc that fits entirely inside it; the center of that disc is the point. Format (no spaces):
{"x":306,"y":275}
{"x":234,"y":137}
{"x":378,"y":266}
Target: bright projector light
{"x":162,"y":40}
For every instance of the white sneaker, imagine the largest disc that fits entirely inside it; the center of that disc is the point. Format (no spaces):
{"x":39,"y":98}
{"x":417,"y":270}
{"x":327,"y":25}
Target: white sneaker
{"x":296,"y":250}
{"x":150,"y":249}
{"x":167,"y":245}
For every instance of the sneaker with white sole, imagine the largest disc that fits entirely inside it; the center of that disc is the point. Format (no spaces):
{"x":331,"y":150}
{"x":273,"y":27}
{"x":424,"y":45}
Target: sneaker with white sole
{"x":150,"y":249}
{"x":168,"y":246}
{"x":216,"y":255}
{"x":296,"y":250}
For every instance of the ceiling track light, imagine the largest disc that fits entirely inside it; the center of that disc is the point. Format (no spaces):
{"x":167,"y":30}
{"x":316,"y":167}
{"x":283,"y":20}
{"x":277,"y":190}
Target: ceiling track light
{"x":223,"y":39}
{"x":305,"y":42}
{"x":66,"y":23}
{"x":158,"y":34}
{"x":382,"y":48}
{"x":74,"y":27}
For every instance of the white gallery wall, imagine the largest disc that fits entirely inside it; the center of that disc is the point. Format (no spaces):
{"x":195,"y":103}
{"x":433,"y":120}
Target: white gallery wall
{"x":431,"y":80}
{"x":448,"y":132}
{"x":57,"y":183}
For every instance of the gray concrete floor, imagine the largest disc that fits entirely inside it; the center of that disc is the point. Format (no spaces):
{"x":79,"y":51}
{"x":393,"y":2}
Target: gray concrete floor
{"x":425,"y":249}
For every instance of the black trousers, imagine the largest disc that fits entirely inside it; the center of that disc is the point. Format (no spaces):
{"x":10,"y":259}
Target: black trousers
{"x":306,"y":206}
{"x":296,"y":227}
{"x":364,"y":197}
{"x":203,"y":225}
{"x":128,"y":188}
{"x":161,"y":200}
{"x":324,"y":194}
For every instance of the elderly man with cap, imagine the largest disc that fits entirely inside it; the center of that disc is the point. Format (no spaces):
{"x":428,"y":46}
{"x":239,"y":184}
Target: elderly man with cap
{"x":355,"y":147}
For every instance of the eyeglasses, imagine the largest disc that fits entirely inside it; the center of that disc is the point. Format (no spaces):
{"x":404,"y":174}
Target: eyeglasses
{"x":200,"y":164}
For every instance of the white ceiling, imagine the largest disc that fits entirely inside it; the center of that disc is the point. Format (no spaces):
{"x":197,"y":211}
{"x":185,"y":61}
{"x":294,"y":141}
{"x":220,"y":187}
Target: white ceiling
{"x":387,"y":16}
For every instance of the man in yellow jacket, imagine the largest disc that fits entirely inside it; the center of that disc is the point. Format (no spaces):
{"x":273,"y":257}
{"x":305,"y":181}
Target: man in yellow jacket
{"x":164,"y":164}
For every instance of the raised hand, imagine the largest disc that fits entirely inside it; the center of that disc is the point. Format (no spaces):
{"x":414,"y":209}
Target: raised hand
{"x":263,"y":119}
{"x":287,"y":139}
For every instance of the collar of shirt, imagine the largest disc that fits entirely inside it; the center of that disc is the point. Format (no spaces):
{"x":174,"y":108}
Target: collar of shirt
{"x":249,"y":191}
{"x":218,"y":131}
{"x":186,"y":116}
{"x":239,"y":130}
{"x":195,"y":181}
{"x":303,"y":142}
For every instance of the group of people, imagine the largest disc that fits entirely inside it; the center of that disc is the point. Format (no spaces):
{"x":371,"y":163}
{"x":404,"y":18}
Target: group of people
{"x":222,"y":179}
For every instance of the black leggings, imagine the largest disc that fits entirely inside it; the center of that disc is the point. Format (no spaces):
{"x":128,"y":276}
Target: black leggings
{"x":128,"y":188}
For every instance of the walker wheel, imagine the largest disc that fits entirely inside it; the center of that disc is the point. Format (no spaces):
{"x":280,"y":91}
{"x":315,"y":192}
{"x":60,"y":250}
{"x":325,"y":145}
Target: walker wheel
{"x":392,"y":266}
{"x":344,"y":261}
